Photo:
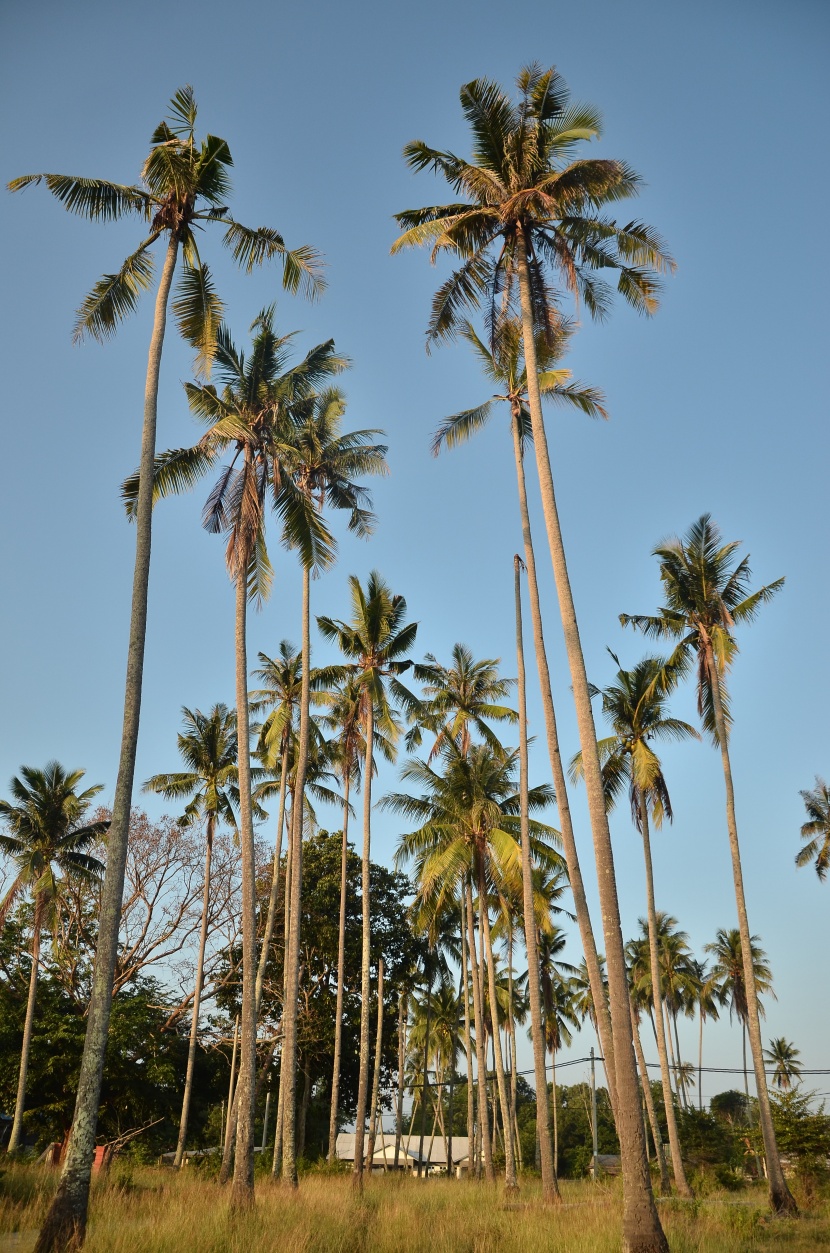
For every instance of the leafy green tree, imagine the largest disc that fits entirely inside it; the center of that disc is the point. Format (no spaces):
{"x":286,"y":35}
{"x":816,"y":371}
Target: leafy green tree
{"x":376,"y":640}
{"x":816,"y":830}
{"x":184,"y":187}
{"x":783,"y":1056}
{"x":635,"y":706}
{"x":531,"y":212}
{"x":707,"y":594}
{"x":47,"y":840}
{"x":208,"y":747}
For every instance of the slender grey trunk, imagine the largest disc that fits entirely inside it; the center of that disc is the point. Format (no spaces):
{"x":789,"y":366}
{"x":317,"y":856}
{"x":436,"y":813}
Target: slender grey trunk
{"x":510,"y":1181}
{"x":292,"y":987}
{"x":273,"y":898}
{"x":230,"y":1121}
{"x":642,"y":1232}
{"x":66,"y":1217}
{"x":665,"y":1183}
{"x":781,"y":1199}
{"x":700,"y":1064}
{"x":365,"y":957}
{"x":373,"y":1108}
{"x":678,"y":1168}
{"x":583,"y":916}
{"x":17,"y":1125}
{"x":425,"y":1080}
{"x":276,"y":1162}
{"x":197,"y":996}
{"x":401,"y":1074}
{"x":468,"y":1048}
{"x":341,"y":962}
{"x":481,"y":1043}
{"x":242,"y":1190}
{"x":555,"y":1111}
{"x":550,"y":1188}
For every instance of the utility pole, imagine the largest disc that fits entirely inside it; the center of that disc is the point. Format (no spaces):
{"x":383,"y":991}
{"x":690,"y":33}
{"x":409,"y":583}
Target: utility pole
{"x":267,"y":1112}
{"x":595,"y":1164}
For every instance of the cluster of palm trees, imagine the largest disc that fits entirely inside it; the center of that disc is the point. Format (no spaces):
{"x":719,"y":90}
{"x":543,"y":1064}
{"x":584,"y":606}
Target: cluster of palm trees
{"x":530,"y":227}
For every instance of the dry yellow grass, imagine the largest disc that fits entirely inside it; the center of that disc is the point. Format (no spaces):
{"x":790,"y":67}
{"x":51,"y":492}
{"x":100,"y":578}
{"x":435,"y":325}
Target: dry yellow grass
{"x":155,"y":1211}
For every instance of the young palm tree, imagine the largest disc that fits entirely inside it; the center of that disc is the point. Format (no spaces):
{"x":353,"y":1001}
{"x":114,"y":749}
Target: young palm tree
{"x":208,"y":747}
{"x":707,"y":595}
{"x":817,"y":829}
{"x":322,"y":464}
{"x":540,"y":213}
{"x":343,"y":720}
{"x":635,"y":706}
{"x":783,"y":1056}
{"x":46,"y":839}
{"x":503,"y":364}
{"x":184,"y":186}
{"x":376,"y":640}
{"x":728,"y":974}
{"x":469,"y":829}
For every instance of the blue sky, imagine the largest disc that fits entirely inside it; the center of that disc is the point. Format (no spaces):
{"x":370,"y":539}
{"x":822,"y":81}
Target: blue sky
{"x":718,"y":404}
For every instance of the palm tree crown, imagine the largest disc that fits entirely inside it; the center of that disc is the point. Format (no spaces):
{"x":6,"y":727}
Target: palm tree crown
{"x":816,"y":830}
{"x":459,"y":698}
{"x":208,"y":747}
{"x":783,"y":1056}
{"x":526,"y":194}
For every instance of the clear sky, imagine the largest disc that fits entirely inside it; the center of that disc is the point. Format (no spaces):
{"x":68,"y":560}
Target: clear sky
{"x":718,"y":404}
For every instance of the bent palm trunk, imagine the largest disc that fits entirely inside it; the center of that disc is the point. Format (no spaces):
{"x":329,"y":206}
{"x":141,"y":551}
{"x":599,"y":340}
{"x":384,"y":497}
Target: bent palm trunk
{"x":550,"y":1189}
{"x":66,"y":1218}
{"x":781,"y":1199}
{"x":197,"y":996}
{"x":17,"y":1125}
{"x":583,"y":917}
{"x":642,"y":1232}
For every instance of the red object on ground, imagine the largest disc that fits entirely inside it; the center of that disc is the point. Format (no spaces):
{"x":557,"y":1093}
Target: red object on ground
{"x":100,"y":1156}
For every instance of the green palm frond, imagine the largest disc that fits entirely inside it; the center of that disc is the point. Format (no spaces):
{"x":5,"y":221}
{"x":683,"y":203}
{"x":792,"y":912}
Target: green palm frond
{"x":198,"y":312}
{"x":174,"y":472}
{"x":115,"y":296}
{"x":301,"y":268}
{"x":93,"y":198}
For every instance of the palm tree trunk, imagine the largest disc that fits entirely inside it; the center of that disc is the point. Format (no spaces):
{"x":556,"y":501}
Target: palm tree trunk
{"x":665,"y":1184}
{"x":230,"y":1122}
{"x":341,"y":962}
{"x":242,"y":1191}
{"x":781,"y":1199}
{"x":17,"y":1125}
{"x":276,"y":1164}
{"x":292,"y":988}
{"x":642,"y":1232}
{"x":583,"y":917}
{"x":197,"y":995}
{"x":681,"y":1074}
{"x":425,"y":1081}
{"x":67,"y":1215}
{"x":678,"y":1169}
{"x":700,"y":1064}
{"x":373,"y":1107}
{"x":550,"y":1189}
{"x":481,"y":1056}
{"x":484,"y":916}
{"x":555,"y":1112}
{"x":401,"y":1074}
{"x":468,"y":1047}
{"x":365,"y":957}
{"x":273,"y":898}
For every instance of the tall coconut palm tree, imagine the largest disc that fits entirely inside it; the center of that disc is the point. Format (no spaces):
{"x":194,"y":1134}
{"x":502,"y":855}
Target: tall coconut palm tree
{"x":635,"y":707}
{"x":728,"y":973}
{"x":708,"y":1003}
{"x":707,"y":594}
{"x":783,"y":1056}
{"x":184,"y":187}
{"x":503,"y":364}
{"x":461,"y":698}
{"x":343,"y":719}
{"x":376,"y":641}
{"x":47,"y":841}
{"x":322,"y":464}
{"x":816,"y":830}
{"x":252,"y":420}
{"x":531,"y":213}
{"x":469,"y":829}
{"x":211,"y":786}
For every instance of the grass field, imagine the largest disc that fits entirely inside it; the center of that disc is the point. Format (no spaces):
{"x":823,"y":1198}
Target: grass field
{"x":147,"y":1210}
